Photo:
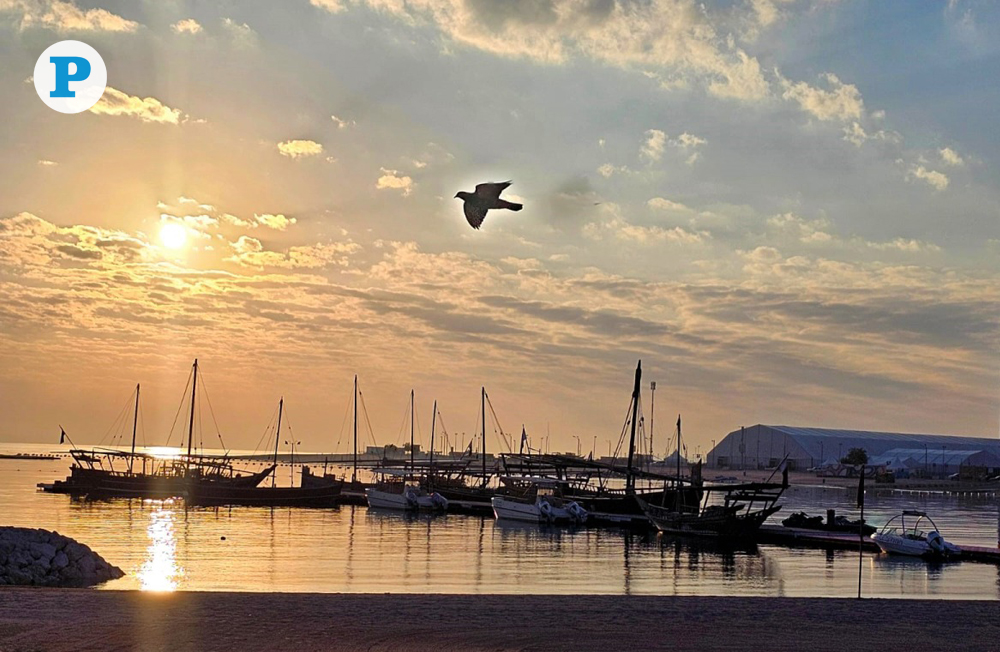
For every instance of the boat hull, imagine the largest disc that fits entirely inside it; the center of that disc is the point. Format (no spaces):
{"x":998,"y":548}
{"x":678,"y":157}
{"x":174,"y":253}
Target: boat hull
{"x":541,"y":511}
{"x":207,"y":495}
{"x":718,"y":523}
{"x":409,"y":500}
{"x":894,"y":544}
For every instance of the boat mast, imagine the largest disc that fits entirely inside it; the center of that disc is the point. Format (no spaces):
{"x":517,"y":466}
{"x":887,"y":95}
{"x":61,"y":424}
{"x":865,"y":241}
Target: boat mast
{"x":135,"y":421}
{"x":194,"y":389}
{"x":430,"y":464}
{"x":277,"y":438}
{"x":629,"y":478}
{"x":680,"y":486}
{"x":354,"y":475}
{"x":413,"y":467}
{"x":485,"y":478}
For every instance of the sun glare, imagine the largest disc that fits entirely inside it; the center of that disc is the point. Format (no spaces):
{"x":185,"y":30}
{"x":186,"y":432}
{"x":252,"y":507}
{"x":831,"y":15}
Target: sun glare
{"x":173,"y":235}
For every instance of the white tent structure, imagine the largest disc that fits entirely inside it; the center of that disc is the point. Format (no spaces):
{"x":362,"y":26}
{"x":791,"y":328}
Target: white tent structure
{"x":763,"y":447}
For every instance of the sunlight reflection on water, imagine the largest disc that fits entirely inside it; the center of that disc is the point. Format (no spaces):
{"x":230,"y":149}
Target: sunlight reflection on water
{"x":160,"y":570}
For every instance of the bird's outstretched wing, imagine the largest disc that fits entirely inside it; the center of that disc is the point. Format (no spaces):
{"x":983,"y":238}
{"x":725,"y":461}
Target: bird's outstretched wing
{"x":475,"y":214}
{"x":491,"y":190}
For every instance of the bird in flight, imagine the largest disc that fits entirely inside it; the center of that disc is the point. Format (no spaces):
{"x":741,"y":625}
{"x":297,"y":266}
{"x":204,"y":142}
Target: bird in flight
{"x":486,"y":196}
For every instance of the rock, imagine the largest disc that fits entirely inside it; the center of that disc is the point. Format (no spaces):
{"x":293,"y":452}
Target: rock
{"x":35,"y":557}
{"x":42,"y":550}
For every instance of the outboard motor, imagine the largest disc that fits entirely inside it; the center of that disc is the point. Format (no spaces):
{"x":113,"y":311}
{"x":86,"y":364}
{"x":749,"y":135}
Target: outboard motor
{"x":411,"y":498}
{"x":546,"y":510}
{"x":439,"y":502}
{"x":578,"y":513}
{"x":936,"y":543}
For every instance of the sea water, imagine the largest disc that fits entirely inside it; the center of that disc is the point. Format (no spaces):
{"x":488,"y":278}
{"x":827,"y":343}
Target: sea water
{"x":164,"y":546}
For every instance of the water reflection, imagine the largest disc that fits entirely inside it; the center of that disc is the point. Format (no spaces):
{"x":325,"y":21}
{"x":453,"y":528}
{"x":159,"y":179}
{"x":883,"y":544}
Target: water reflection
{"x":166,"y":547}
{"x":160,"y":570}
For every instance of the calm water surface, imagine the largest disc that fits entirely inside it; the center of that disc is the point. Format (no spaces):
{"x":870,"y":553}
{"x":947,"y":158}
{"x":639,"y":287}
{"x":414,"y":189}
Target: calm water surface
{"x":163,"y":546}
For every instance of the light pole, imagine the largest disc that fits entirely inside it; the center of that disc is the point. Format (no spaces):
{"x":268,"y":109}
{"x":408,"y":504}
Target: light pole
{"x":652,"y":403}
{"x":577,"y":437}
{"x":291,"y":471}
{"x":710,"y":454}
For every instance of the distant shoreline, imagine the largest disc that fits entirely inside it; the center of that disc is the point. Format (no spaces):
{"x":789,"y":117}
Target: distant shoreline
{"x":67,"y":619}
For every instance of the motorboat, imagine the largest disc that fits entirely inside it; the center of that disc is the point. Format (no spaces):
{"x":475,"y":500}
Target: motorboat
{"x":908,"y":534}
{"x":407,"y":498}
{"x":545,"y":508}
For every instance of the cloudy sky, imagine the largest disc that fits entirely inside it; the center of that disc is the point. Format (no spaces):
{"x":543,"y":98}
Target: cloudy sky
{"x":789,"y":209}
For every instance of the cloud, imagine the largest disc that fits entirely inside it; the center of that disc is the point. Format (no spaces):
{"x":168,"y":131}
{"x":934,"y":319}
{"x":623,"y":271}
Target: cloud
{"x":682,"y":41}
{"x":391,"y":180}
{"x":250,"y":252}
{"x":857,"y":136}
{"x":841,"y":102}
{"x":66,"y":17}
{"x":607,"y":170}
{"x":333,"y":6}
{"x":45,"y":163}
{"x":187,"y":26}
{"x":276,"y":222}
{"x":937,"y":180}
{"x":663,"y":204}
{"x":342,"y":124}
{"x":951,"y":157}
{"x":240,"y":33}
{"x":616,"y":227}
{"x":656,"y":142}
{"x":117,"y":103}
{"x":299,"y":148}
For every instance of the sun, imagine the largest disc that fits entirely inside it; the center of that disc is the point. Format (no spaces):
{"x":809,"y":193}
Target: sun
{"x":173,"y":235}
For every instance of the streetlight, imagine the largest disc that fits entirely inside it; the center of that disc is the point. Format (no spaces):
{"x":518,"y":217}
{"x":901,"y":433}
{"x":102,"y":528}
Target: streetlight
{"x":577,"y":437}
{"x":652,"y":403}
{"x":291,"y":469}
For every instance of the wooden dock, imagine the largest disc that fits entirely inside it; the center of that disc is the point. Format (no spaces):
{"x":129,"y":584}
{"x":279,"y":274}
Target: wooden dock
{"x":789,"y":536}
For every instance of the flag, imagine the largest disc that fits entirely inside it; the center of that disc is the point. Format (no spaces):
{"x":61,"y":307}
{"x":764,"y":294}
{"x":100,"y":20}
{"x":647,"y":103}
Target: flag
{"x":861,"y":488}
{"x":678,"y":422}
{"x":524,"y":439}
{"x":469,"y":452}
{"x":62,"y":435}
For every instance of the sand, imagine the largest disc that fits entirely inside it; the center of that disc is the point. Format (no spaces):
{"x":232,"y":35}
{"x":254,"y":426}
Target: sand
{"x":57,"y":620}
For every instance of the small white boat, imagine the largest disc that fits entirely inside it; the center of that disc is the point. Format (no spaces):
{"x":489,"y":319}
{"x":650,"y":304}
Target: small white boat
{"x":898,"y":537}
{"x":544,"y":509}
{"x":411,"y":499}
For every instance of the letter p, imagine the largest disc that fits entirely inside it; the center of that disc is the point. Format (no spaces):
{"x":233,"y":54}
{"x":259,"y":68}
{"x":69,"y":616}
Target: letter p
{"x":63,"y":76}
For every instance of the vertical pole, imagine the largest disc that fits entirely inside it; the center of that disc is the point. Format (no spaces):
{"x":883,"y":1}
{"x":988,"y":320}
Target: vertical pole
{"x":277,"y":438}
{"x":680,"y":486}
{"x":629,"y":479}
{"x":194,"y":389}
{"x":861,"y":527}
{"x":652,"y":405}
{"x":413,"y":467}
{"x":135,"y":421}
{"x":485,"y":478}
{"x":430,"y":465}
{"x":354,"y":474}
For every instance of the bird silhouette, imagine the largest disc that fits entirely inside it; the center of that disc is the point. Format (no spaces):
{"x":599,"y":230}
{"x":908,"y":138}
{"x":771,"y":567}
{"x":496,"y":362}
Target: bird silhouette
{"x":486,"y":196}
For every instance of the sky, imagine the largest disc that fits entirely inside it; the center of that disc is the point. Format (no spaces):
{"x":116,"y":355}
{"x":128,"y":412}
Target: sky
{"x":789,"y":210}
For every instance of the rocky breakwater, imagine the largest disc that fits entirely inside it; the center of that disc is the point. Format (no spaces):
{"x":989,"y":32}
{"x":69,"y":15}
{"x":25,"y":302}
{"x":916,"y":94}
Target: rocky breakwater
{"x":31,"y":557}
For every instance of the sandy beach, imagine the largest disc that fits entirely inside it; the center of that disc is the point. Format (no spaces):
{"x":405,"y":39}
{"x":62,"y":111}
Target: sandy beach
{"x":63,"y":620}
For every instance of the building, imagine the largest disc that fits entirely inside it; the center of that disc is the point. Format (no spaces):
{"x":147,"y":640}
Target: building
{"x":763,"y":447}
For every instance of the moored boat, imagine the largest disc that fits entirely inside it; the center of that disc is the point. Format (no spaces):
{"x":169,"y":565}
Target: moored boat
{"x":402,"y":494}
{"x":899,"y":538}
{"x":545,"y":508}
